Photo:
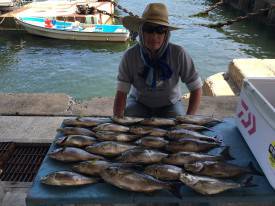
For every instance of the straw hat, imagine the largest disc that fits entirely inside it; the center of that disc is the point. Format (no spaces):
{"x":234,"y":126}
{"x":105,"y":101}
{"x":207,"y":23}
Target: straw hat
{"x":156,"y":13}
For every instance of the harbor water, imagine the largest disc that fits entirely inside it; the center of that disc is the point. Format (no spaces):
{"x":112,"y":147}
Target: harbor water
{"x":86,"y":69}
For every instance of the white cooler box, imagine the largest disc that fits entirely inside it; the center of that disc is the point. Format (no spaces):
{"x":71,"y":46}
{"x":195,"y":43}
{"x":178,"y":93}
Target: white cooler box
{"x":255,"y":119}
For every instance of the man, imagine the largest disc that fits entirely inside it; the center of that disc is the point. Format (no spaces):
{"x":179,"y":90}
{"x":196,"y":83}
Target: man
{"x":153,"y":68}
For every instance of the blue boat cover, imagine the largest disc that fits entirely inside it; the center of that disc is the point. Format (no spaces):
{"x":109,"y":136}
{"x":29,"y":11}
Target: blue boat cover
{"x":103,"y":193}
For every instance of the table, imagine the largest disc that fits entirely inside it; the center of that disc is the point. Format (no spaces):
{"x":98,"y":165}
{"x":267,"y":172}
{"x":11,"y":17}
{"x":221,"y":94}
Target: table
{"x":103,"y":193}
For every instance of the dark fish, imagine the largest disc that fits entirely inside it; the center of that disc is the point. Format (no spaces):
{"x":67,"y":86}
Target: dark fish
{"x":127,"y":120}
{"x":111,"y":127}
{"x":163,"y":171}
{"x":197,"y":119}
{"x":86,"y":121}
{"x":67,"y":178}
{"x":209,"y":185}
{"x":190,"y":145}
{"x":141,"y":156}
{"x":75,"y":141}
{"x":131,"y":180}
{"x":184,"y":133}
{"x":76,"y":131}
{"x":72,"y":154}
{"x":158,"y":122}
{"x":152,"y":142}
{"x":109,"y":148}
{"x":220,"y":169}
{"x":182,"y":158}
{"x":115,"y":136}
{"x":152,"y":131}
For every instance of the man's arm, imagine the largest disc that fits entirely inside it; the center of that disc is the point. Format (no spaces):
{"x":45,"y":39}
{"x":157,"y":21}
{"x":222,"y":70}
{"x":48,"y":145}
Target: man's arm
{"x":119,"y":104}
{"x":194,"y":101}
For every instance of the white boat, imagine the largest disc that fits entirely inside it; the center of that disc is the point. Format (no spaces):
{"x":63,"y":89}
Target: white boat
{"x":73,"y":30}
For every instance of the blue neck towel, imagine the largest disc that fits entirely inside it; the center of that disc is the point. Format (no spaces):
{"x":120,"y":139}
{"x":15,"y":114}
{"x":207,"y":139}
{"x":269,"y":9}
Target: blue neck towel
{"x":151,"y":66}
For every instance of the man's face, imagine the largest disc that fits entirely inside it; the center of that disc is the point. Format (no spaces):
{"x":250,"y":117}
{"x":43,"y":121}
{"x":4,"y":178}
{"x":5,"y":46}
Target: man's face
{"x":154,"y":36}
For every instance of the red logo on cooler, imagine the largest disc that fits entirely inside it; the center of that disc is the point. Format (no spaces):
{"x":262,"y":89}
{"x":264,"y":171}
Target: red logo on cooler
{"x":250,"y":122}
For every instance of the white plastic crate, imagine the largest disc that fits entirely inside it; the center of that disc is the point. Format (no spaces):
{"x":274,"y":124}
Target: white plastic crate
{"x":255,"y":119}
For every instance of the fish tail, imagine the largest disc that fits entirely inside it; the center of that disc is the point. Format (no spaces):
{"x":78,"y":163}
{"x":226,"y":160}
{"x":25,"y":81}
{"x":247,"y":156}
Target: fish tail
{"x":226,"y":154}
{"x":247,"y":182}
{"x":253,"y":169}
{"x":175,"y":189}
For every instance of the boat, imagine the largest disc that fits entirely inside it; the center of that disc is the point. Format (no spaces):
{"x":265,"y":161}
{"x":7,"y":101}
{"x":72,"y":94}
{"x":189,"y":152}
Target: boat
{"x":75,"y":30}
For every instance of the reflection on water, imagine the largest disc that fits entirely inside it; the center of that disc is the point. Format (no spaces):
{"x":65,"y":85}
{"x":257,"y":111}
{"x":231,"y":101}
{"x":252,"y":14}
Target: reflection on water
{"x":85,"y":69}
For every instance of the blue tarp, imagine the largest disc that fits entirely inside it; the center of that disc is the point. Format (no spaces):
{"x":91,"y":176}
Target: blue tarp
{"x":102,"y":193}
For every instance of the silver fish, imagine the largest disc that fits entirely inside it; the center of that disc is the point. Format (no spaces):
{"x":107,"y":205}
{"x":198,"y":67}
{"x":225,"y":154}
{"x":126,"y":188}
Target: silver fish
{"x":158,"y":122}
{"x":193,"y":127}
{"x":163,"y":171}
{"x":115,"y":136}
{"x":152,"y":142}
{"x":75,"y":131}
{"x":184,"y":133}
{"x":75,"y":141}
{"x":220,"y":169}
{"x":127,"y":120}
{"x":67,"y":178}
{"x":131,"y":180}
{"x":72,"y":154}
{"x":142,"y":156}
{"x":209,"y":185}
{"x":109,"y":148}
{"x":190,"y":145}
{"x":144,"y":130}
{"x":197,"y":119}
{"x":111,"y":127}
{"x":182,"y":158}
{"x":86,"y":121}
{"x":94,"y":167}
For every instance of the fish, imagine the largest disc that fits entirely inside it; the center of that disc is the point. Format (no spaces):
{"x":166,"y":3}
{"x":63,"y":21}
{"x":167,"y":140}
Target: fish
{"x":190,"y":145}
{"x":67,"y":178}
{"x":127,"y":120}
{"x":158,"y":122}
{"x":86,"y":121}
{"x":94,"y":167}
{"x":164,"y":171}
{"x":130,"y":180}
{"x":220,"y":169}
{"x":209,"y":185}
{"x":76,"y":131}
{"x":197,"y":119}
{"x":184,"y":133}
{"x":152,"y":142}
{"x":182,"y":158}
{"x":141,"y":156}
{"x":109,"y":148}
{"x":193,"y":127}
{"x":75,"y":141}
{"x":111,"y":127}
{"x":72,"y":154}
{"x":144,"y":130}
{"x":115,"y":136}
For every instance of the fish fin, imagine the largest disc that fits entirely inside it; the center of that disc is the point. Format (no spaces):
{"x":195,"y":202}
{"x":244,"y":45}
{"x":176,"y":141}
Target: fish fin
{"x":254,"y":170}
{"x":225,"y":153}
{"x":247,"y":182}
{"x":175,"y":189}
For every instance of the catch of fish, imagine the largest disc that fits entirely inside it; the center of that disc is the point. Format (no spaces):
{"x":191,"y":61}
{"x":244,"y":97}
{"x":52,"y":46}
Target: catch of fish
{"x":146,"y":155}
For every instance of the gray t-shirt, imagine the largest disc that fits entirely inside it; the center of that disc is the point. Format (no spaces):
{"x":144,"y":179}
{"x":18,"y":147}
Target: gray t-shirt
{"x":166,"y":92}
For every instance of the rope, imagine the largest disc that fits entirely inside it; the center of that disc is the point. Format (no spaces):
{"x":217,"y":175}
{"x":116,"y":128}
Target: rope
{"x":120,"y":7}
{"x":2,"y":20}
{"x":205,"y":13}
{"x":240,"y":18}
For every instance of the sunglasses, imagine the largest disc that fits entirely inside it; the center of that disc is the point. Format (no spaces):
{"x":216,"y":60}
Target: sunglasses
{"x":154,"y":29}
